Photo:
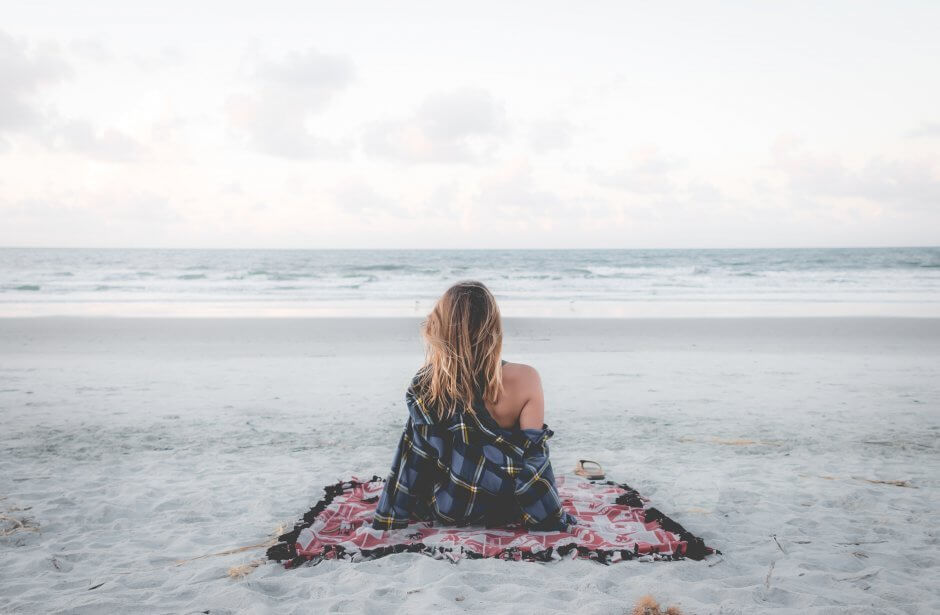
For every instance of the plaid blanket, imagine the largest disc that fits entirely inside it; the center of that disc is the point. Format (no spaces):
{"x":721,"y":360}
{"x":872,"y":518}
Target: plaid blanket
{"x":466,"y":469}
{"x":613,"y":523}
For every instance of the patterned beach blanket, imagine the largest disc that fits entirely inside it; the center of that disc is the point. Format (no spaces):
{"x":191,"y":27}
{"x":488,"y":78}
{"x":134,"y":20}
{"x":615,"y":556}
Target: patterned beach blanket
{"x":614,"y":523}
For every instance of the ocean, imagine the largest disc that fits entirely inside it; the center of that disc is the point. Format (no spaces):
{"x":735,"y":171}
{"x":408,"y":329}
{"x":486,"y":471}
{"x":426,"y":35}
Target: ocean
{"x":568,"y":283}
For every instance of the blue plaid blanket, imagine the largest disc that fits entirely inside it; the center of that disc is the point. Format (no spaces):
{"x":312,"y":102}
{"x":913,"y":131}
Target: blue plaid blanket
{"x":467,"y":470}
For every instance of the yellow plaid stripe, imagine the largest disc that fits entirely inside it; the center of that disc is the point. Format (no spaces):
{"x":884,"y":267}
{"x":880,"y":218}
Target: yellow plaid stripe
{"x":536,"y":476}
{"x":476,"y":479}
{"x":424,"y":410}
{"x":451,"y":459}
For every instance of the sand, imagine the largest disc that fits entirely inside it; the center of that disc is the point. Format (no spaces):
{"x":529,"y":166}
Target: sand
{"x":129,"y":444}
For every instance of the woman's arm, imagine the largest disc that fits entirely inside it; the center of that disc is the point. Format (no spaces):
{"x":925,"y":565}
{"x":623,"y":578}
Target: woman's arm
{"x":533,"y":411}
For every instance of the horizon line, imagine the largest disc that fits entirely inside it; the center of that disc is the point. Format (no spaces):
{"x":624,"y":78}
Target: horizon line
{"x":544,"y":249}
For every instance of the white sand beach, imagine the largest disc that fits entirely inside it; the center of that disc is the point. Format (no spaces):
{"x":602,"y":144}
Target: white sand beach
{"x":713,"y":228}
{"x":128,"y":444}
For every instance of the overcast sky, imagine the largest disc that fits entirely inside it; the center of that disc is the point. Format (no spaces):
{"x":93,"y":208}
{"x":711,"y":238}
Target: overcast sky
{"x":430,"y":125}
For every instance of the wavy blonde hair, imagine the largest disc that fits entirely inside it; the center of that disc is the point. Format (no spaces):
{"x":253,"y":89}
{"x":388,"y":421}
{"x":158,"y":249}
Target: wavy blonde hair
{"x":464,"y":338}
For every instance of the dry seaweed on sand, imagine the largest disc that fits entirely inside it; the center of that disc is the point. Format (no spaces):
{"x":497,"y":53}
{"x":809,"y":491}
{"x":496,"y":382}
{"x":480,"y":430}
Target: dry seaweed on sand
{"x":10,"y":525}
{"x":261,"y":545}
{"x":647,"y":605}
{"x":243,"y":570}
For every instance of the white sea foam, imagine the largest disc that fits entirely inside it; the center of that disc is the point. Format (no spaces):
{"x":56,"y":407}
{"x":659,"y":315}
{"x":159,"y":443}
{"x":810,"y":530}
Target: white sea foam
{"x":587,"y":283}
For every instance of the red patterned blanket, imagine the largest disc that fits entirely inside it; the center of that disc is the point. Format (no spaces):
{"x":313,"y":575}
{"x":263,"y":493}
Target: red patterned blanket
{"x":615,"y":523}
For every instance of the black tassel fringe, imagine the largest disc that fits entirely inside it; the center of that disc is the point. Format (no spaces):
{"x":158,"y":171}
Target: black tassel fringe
{"x":286,"y":551}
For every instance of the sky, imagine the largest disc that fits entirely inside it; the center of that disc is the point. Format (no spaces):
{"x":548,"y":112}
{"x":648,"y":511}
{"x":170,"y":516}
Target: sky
{"x":304,"y":124}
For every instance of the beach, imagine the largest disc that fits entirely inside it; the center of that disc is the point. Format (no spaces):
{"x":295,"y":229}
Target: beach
{"x":713,"y":230}
{"x":131,"y":444}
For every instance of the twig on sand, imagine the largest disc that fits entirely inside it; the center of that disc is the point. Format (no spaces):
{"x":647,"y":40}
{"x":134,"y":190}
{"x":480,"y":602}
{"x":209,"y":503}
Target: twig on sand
{"x":858,"y":543}
{"x":769,"y":572}
{"x":859,"y":576}
{"x":774,"y":536}
{"x":733,"y":441}
{"x":235,"y":572}
{"x":874,"y":481}
{"x":715,"y":563}
{"x":895,"y":483}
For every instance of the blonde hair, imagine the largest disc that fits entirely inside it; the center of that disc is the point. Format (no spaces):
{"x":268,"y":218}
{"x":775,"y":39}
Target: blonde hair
{"x":464,"y":337}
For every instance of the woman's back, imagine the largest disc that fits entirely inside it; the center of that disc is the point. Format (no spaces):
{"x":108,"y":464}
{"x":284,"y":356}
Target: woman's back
{"x":474,"y":446}
{"x":464,"y":468}
{"x":521,"y":404}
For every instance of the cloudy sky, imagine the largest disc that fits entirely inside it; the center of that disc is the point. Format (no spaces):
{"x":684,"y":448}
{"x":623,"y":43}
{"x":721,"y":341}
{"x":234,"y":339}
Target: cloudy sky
{"x":428,"y":125}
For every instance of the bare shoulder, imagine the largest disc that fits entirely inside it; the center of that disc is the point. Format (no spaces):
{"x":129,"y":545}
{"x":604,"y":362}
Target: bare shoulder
{"x":524,"y":395}
{"x":521,"y":376}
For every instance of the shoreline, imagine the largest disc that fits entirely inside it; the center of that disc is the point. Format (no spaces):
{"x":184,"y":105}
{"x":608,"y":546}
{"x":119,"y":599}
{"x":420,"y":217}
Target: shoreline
{"x":573,"y":310}
{"x":523,"y":337}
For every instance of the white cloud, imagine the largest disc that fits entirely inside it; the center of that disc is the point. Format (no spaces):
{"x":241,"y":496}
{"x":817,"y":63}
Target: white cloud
{"x":926,"y":129}
{"x":355,"y":196}
{"x":513,"y":193}
{"x":549,"y":135}
{"x":885,"y":182}
{"x":318,"y":75}
{"x":648,"y":171}
{"x":63,"y":218}
{"x":91,"y":49}
{"x":24,"y":71}
{"x":276,"y":116}
{"x":464,"y":125}
{"x":108,"y":144}
{"x":197,"y":118}
{"x":443,"y":201}
{"x":165,"y":57}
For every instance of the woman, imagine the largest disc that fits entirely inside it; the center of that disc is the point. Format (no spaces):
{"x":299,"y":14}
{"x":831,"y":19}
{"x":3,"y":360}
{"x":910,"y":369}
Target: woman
{"x":474,"y":447}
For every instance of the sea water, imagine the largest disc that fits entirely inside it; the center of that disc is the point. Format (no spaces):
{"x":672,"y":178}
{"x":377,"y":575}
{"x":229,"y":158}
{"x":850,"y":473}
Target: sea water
{"x":586,"y":283}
